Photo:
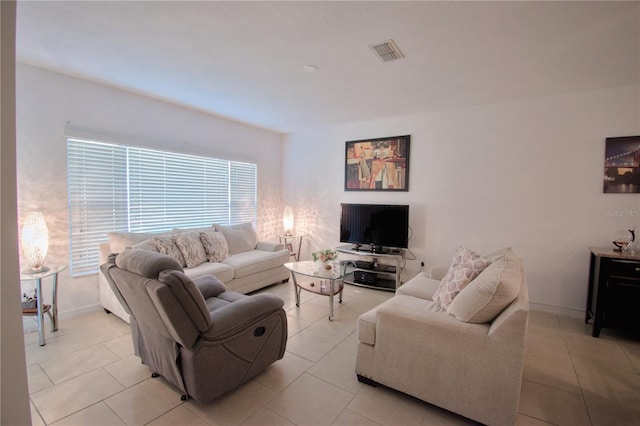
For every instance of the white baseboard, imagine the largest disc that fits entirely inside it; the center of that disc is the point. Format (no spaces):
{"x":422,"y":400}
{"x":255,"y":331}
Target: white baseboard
{"x":557,"y":310}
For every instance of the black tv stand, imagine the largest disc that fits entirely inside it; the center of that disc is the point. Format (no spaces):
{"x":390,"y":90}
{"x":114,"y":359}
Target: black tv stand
{"x":370,"y":249}
{"x":379,"y":270}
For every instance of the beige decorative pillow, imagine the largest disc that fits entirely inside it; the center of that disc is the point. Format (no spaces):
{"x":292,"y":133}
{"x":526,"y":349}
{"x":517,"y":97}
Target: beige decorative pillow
{"x":240,"y":238}
{"x":167,"y":246}
{"x":215,"y":245}
{"x":491,"y":292}
{"x":148,"y":245}
{"x":118,"y":241}
{"x":465,"y":266}
{"x":191,"y":248}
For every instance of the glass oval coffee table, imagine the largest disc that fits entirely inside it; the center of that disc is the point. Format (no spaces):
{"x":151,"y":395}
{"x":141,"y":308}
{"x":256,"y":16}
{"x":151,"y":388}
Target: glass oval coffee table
{"x":326,"y":282}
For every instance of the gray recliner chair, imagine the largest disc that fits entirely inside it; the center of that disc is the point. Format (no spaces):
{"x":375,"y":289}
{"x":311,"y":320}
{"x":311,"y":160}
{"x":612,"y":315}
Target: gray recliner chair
{"x":203,"y":339}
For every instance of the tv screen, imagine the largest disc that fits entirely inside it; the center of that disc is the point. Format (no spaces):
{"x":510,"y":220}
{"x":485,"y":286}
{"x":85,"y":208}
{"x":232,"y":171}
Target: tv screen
{"x":378,"y":225}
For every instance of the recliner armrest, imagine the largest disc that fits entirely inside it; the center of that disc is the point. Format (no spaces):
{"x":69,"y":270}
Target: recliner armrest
{"x":269,"y":246}
{"x":209,"y":286}
{"x":227,"y":320}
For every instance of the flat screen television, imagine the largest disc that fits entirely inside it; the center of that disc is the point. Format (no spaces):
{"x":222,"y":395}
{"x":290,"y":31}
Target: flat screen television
{"x":380,"y":226}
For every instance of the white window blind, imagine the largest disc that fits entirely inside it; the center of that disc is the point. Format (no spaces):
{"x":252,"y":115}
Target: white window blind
{"x":121,"y":188}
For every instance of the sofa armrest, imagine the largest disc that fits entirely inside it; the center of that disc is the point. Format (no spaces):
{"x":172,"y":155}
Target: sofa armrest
{"x":511,"y":324}
{"x":269,"y":246}
{"x":104,"y":252}
{"x":241,"y":314}
{"x":437,"y":272}
{"x":409,"y":316}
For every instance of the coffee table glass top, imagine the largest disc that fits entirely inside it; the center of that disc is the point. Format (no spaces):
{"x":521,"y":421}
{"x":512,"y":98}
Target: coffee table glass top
{"x":314,"y":269}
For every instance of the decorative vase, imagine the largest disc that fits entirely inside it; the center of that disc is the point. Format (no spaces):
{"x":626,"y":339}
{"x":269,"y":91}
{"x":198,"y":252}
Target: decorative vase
{"x":325,"y":266}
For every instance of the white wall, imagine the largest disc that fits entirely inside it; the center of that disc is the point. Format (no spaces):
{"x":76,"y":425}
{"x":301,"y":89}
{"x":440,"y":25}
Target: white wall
{"x":527,"y":174}
{"x":49,"y":102}
{"x":14,"y":394}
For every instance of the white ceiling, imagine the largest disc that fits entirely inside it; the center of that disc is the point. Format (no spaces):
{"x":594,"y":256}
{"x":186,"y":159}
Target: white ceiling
{"x":244,"y":60}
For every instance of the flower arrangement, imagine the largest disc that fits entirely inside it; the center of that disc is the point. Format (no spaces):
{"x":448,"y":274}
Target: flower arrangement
{"x":324,"y":255}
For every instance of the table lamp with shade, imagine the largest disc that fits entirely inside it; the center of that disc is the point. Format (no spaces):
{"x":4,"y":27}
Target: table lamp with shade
{"x":35,"y":242}
{"x":287,"y":221}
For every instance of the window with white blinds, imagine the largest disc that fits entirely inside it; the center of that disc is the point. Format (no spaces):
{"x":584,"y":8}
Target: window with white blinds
{"x":121,"y":188}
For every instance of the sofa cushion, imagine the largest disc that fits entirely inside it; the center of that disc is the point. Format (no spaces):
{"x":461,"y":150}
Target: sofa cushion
{"x":215,"y":245}
{"x":219,"y":270}
{"x":240,"y":238}
{"x":465,"y":266}
{"x":420,"y":286}
{"x":166,"y":245}
{"x":191,"y":248}
{"x":494,"y":255}
{"x":198,"y":230}
{"x":252,"y":261}
{"x":492,"y":291}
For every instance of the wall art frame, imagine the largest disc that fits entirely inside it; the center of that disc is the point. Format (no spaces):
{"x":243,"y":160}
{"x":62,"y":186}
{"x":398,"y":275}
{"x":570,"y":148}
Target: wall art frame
{"x":380,"y":164}
{"x":622,"y":165}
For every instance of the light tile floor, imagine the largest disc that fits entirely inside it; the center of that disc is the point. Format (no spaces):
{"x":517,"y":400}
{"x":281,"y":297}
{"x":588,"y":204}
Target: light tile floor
{"x":87,"y":375}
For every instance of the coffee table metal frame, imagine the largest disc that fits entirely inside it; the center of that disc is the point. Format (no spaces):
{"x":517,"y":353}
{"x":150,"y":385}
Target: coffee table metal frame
{"x":326,"y":282}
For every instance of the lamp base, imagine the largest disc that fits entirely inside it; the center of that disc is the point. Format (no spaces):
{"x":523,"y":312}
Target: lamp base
{"x":36,"y":271}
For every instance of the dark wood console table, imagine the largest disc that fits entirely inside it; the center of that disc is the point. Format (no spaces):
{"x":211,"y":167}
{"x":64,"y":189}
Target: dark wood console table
{"x":614,"y":290}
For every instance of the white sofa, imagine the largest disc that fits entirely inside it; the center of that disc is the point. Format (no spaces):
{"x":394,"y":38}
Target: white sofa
{"x":468,"y":358}
{"x":250,"y":265}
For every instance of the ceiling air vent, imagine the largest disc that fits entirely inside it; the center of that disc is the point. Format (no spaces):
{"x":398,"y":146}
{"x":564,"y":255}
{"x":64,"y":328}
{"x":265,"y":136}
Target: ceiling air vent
{"x":387,"y":51}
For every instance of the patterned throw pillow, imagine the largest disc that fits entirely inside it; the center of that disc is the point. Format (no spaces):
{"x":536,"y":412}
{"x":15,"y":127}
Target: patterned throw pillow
{"x":466,"y":265}
{"x":215,"y":244}
{"x":167,"y":246}
{"x":191,"y":248}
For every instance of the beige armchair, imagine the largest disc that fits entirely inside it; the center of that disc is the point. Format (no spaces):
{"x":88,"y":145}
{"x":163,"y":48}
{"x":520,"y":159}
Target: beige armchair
{"x":473,"y":369}
{"x":203,"y":339}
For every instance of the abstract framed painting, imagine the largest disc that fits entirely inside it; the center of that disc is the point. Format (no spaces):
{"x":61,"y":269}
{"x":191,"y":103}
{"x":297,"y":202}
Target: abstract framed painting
{"x":380,"y":164}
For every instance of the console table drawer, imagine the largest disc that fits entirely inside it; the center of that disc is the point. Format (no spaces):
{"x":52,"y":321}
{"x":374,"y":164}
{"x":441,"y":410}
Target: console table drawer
{"x":625,"y":268}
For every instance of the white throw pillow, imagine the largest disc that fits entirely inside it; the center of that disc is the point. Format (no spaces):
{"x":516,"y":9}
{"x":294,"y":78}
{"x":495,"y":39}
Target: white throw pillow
{"x":215,"y":245}
{"x":465,"y":266}
{"x":166,"y":245}
{"x":191,"y":248}
{"x":490,"y":293}
{"x":240,"y":238}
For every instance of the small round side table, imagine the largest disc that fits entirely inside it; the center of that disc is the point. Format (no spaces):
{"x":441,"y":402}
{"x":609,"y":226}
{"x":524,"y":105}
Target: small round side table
{"x":289,"y":241}
{"x":41,"y":308}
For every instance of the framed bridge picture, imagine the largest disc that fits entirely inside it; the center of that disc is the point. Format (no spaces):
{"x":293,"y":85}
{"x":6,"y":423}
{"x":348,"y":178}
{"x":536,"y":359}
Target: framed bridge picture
{"x":380,"y":164}
{"x":622,"y":165}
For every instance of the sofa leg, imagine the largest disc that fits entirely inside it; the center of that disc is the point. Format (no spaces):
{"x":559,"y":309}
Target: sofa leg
{"x":367,"y":381}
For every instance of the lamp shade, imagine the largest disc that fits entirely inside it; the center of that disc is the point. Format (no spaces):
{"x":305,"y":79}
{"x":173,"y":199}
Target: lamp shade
{"x":35,"y":240}
{"x":287,"y":220}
